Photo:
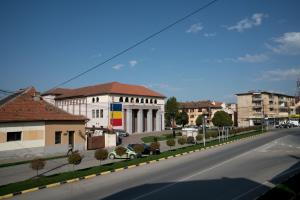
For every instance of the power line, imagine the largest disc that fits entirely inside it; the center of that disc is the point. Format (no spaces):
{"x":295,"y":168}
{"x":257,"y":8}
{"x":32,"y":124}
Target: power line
{"x":138,"y":43}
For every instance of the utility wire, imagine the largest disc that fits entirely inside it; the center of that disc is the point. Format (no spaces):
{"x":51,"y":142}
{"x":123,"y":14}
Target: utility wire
{"x":138,"y":43}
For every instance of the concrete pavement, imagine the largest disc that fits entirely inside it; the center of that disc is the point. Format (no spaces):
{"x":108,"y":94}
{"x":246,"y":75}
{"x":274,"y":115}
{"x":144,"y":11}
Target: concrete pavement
{"x":241,"y":170}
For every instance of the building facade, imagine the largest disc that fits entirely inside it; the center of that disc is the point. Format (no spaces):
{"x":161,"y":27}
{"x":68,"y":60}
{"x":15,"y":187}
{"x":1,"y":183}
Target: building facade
{"x":30,"y":126}
{"x":133,"y":108}
{"x":255,"y":108}
{"x":208,"y":108}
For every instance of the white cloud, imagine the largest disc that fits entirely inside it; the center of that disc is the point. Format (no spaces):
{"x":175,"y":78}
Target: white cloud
{"x":280,"y":74}
{"x":288,"y":43}
{"x":118,"y":66}
{"x":209,"y":34}
{"x":253,"y":58}
{"x":195,"y":28}
{"x":255,"y":20}
{"x":133,"y":63}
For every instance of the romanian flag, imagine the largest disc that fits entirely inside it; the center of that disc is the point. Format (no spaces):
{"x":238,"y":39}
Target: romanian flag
{"x":116,"y":114}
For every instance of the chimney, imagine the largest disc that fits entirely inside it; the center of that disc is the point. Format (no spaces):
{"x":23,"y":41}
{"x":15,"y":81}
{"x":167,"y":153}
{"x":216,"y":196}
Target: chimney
{"x":37,"y":96}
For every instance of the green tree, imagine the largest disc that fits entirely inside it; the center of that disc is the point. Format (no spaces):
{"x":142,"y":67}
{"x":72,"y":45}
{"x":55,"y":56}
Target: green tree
{"x":171,"y":143}
{"x":37,"y":164}
{"x":199,"y":120}
{"x":221,"y":118}
{"x":182,"y":118}
{"x":181,"y":140}
{"x":101,"y":154}
{"x":171,"y":110}
{"x":74,"y":159}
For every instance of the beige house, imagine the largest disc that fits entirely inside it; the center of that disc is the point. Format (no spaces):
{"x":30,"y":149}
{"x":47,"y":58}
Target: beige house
{"x":256,"y":107}
{"x":208,"y":108}
{"x":30,"y":126}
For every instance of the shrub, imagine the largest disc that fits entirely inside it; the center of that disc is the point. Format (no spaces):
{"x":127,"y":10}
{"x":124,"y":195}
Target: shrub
{"x":214,"y":134}
{"x":190,"y":140}
{"x":208,"y":135}
{"x":170,"y":143}
{"x":74,"y":159}
{"x":120,"y":151}
{"x":179,"y":133}
{"x":155,"y":139}
{"x":155,"y":147}
{"x":181,"y":141}
{"x":138,"y":148}
{"x":199,"y":137}
{"x":101,"y":154}
{"x":169,"y":136}
{"x":37,"y":164}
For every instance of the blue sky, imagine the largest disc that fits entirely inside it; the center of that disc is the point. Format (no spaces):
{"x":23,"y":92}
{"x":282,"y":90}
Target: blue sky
{"x":233,"y":46}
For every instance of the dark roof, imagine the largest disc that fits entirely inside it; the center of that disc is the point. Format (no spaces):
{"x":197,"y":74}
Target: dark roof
{"x":263,"y":92}
{"x":27,"y":106}
{"x":107,"y":88}
{"x":200,"y":104}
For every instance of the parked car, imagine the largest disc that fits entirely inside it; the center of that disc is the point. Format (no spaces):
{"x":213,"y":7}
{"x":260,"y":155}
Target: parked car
{"x":121,"y":133}
{"x":130,"y":154}
{"x":147,"y":149}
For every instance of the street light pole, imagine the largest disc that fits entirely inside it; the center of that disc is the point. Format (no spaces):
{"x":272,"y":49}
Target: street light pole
{"x":203,"y":128}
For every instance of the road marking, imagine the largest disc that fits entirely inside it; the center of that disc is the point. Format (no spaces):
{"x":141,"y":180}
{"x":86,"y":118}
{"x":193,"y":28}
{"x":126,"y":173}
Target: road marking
{"x":196,"y":174}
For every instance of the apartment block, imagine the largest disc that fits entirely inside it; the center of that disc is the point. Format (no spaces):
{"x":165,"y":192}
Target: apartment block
{"x":255,"y":108}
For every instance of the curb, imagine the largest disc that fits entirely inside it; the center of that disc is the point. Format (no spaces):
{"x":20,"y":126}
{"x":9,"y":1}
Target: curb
{"x":123,"y":168}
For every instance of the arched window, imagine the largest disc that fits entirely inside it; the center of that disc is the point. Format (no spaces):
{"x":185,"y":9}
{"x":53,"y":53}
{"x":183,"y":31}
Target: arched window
{"x":146,"y":101}
{"x":151,"y":100}
{"x":121,"y":99}
{"x":126,"y":99}
{"x":97,"y":99}
{"x":131,"y":100}
{"x":142,"y":100}
{"x":93,"y":100}
{"x":155,"y":101}
{"x":137,"y":100}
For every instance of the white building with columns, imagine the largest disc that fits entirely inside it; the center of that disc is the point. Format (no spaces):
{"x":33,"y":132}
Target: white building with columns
{"x":134,"y":108}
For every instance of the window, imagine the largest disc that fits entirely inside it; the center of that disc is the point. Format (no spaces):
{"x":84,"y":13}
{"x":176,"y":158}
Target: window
{"x":132,"y":100}
{"x":126,"y":99}
{"x":151,"y":100}
{"x":93,"y":113}
{"x":14,"y":136}
{"x":142,"y":100}
{"x":97,"y":113}
{"x":146,"y":101}
{"x":101,"y":113}
{"x":57,"y":137}
{"x":121,"y":99}
{"x":97,"y":99}
{"x":137,"y":100}
{"x":155,"y":101}
{"x":93,"y":100}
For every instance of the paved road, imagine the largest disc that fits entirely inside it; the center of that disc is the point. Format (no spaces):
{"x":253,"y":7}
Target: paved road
{"x":241,"y":170}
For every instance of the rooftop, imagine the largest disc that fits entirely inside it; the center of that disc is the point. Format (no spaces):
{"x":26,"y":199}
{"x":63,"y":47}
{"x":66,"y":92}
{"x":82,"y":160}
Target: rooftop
{"x":106,"y":88}
{"x":200,"y":104}
{"x":28,"y":106}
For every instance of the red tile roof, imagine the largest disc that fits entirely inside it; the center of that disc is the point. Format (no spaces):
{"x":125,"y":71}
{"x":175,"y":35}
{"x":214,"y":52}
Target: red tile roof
{"x":107,"y":88}
{"x":26,"y":106}
{"x":200,"y":104}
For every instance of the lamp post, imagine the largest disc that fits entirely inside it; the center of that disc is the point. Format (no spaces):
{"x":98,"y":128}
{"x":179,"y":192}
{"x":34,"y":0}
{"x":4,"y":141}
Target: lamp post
{"x":204,"y":128}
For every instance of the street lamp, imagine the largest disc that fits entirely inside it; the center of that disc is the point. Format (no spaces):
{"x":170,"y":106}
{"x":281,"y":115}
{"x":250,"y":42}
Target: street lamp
{"x":204,"y":117}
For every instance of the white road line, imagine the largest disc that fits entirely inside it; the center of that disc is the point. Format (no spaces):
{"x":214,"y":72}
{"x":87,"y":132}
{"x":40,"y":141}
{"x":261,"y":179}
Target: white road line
{"x":196,"y":174}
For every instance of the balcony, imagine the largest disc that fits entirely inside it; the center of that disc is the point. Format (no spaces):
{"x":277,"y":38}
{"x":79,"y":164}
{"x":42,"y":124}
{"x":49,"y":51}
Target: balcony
{"x":256,"y":99}
{"x":256,"y":105}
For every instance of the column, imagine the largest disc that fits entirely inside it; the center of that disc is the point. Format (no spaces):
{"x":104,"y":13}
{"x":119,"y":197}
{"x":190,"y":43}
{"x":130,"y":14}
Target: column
{"x":149,"y":120}
{"x":162,"y":120}
{"x":140,"y":121}
{"x":129,"y":121}
{"x":158,"y":121}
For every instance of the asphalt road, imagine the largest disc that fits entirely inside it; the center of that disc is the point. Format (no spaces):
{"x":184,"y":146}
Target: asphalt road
{"x":241,"y":170}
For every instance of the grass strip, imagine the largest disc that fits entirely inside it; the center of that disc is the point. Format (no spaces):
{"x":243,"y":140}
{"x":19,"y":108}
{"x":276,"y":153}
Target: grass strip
{"x":28,"y":161}
{"x":42,"y":181}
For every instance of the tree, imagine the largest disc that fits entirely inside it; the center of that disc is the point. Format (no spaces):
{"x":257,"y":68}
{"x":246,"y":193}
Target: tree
{"x":182,"y":118}
{"x":75,"y":159}
{"x":199,"y":137}
{"x":170,"y":143}
{"x":199,"y":120}
{"x":221,"y":118}
{"x":138,"y":148}
{"x":181,"y":140}
{"x":155,"y":147}
{"x":171,"y":110}
{"x":37,"y":164}
{"x":101,"y":154}
{"x":120,"y":151}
